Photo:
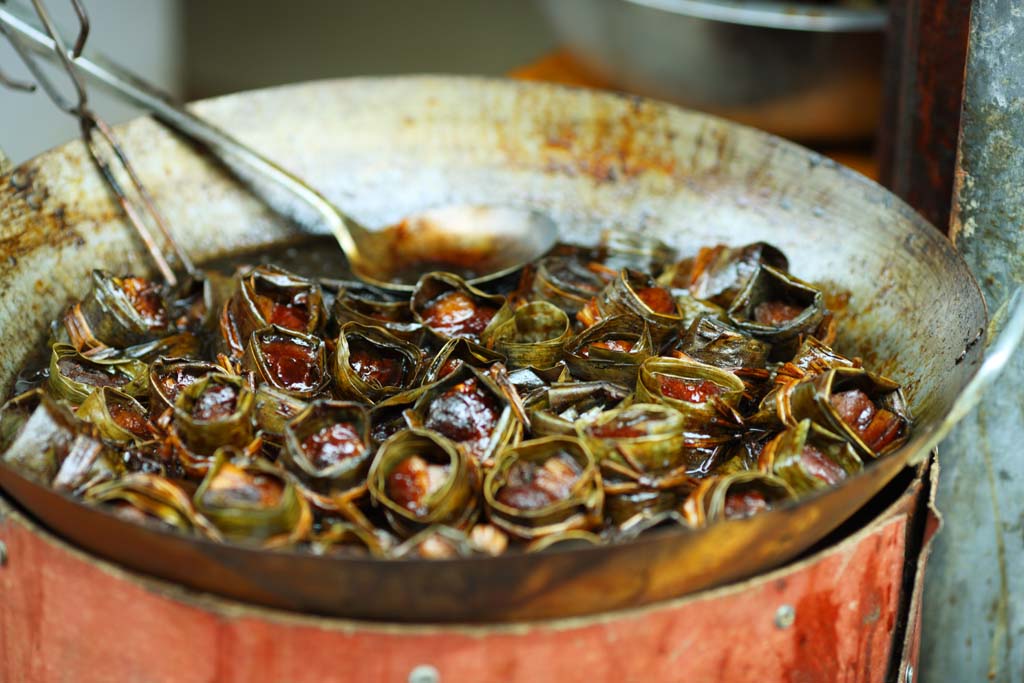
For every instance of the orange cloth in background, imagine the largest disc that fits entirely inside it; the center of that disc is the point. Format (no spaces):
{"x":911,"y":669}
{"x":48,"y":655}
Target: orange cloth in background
{"x":560,"y":67}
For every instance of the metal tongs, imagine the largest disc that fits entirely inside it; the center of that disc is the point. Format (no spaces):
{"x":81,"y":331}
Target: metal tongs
{"x":482,"y":241}
{"x":138,"y":206}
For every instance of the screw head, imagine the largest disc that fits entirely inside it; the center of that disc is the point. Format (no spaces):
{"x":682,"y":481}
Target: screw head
{"x":785,"y":615}
{"x":424,"y":673}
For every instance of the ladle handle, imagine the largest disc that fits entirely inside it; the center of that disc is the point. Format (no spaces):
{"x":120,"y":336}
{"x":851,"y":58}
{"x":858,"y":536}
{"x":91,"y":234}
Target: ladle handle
{"x":137,"y":91}
{"x":1005,"y":333}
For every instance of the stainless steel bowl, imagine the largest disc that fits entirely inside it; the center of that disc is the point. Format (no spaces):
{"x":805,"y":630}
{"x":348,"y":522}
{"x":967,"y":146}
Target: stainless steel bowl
{"x":806,"y":72}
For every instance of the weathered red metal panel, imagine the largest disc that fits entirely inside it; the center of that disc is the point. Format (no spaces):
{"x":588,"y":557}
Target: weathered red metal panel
{"x":69,"y":617}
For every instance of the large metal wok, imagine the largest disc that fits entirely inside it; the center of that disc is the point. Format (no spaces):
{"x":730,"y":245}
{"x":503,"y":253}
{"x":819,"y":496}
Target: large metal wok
{"x":383,"y":148}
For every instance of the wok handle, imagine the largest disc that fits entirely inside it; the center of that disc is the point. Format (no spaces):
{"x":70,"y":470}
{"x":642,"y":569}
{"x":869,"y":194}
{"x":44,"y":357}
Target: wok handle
{"x":1005,"y":332}
{"x":17,"y":26}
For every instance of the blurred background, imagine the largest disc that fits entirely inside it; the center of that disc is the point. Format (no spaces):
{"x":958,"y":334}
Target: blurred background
{"x":811,"y":74}
{"x":198,"y":48}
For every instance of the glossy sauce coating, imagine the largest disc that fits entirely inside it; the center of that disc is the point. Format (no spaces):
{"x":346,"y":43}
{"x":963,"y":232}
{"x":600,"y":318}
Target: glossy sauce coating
{"x":657,"y":299}
{"x":532,"y":486}
{"x":618,"y":345}
{"x":128,"y":419}
{"x":455,"y":314}
{"x":451,"y":364}
{"x":387,"y":369}
{"x":776,"y":312}
{"x":333,"y":443}
{"x":689,"y":390}
{"x":292,"y":365}
{"x":177,"y":379}
{"x":465,"y":413}
{"x":147,"y":300}
{"x":216,"y":402}
{"x":288,"y":310}
{"x":413,"y":481}
{"x":877,"y":427}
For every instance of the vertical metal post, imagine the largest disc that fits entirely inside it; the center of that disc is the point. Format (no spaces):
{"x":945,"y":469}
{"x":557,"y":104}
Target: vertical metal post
{"x":926,"y":50}
{"x":974,"y":600}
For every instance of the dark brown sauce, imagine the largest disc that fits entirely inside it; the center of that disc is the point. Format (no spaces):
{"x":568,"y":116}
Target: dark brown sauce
{"x":387,"y":369}
{"x":532,"y":486}
{"x":332,"y":444}
{"x":627,"y":425}
{"x":776,"y":312}
{"x":657,"y":299}
{"x":292,"y":365}
{"x":464,"y":413}
{"x":689,"y":390}
{"x":413,"y":481}
{"x":147,"y":300}
{"x":216,"y":402}
{"x":93,"y":375}
{"x":877,"y":427}
{"x":128,"y":419}
{"x":178,"y":379}
{"x":455,"y":314}
{"x":292,"y":313}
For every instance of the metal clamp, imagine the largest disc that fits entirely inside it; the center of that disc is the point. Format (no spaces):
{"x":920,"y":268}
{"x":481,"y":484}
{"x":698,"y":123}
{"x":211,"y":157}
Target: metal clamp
{"x":785,"y":616}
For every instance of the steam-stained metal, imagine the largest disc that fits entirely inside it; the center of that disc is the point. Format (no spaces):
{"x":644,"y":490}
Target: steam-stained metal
{"x":973,"y":623}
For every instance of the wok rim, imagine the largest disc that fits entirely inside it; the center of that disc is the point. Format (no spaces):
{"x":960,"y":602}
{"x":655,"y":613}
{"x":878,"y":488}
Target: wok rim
{"x":790,"y":16}
{"x":892,"y":202}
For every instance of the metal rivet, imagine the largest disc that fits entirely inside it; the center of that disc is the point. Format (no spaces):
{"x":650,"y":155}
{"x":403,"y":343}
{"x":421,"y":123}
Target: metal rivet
{"x":909,"y":676}
{"x":785,"y":616}
{"x":3,"y":553}
{"x":19,"y":181}
{"x":424,"y":673}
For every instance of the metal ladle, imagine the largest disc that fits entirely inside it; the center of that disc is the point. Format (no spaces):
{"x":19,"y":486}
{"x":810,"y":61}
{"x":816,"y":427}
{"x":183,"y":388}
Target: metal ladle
{"x":479,"y":242}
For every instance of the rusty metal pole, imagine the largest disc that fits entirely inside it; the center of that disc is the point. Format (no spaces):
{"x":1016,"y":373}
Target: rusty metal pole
{"x":924,"y":74}
{"x":974,"y":600}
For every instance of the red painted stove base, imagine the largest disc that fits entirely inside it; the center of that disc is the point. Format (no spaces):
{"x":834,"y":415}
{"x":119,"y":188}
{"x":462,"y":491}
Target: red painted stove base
{"x":68,"y":617}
